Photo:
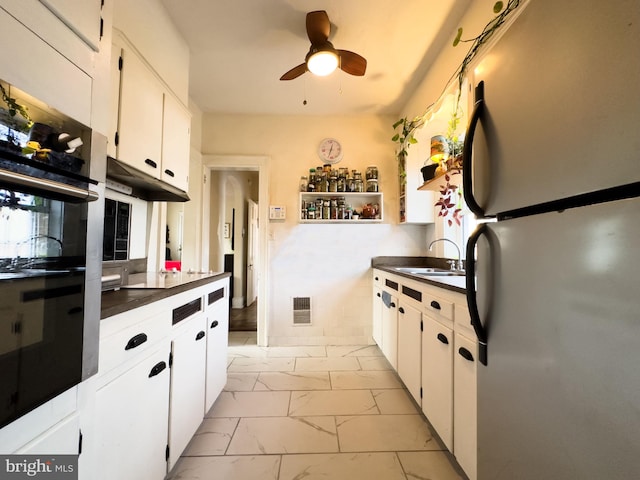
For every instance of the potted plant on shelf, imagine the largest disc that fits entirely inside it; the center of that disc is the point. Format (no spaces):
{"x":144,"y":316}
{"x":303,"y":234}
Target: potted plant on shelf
{"x":450,"y":194}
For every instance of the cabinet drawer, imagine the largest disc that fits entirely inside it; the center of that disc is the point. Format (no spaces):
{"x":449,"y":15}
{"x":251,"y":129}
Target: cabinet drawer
{"x":128,"y":343}
{"x":437,"y":308}
{"x":463,"y":320}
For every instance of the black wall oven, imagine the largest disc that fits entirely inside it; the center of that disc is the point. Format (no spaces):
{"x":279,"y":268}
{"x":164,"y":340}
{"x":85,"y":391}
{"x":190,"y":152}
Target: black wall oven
{"x":46,"y":202}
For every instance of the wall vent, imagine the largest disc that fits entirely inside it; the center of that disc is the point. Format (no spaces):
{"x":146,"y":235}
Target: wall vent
{"x":302,"y":310}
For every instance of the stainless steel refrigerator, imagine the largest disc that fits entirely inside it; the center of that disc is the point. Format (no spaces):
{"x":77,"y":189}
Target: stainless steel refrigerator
{"x":553,"y":155}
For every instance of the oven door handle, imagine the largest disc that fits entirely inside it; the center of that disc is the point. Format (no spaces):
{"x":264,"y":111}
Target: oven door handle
{"x":42,"y":184}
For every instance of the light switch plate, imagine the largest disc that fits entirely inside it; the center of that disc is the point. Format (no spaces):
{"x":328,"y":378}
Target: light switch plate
{"x":277,"y":212}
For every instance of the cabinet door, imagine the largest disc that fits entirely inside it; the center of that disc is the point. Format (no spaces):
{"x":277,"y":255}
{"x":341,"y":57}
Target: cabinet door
{"x":390,"y":332}
{"x":437,"y":378}
{"x":377,"y":315}
{"x":114,"y":101}
{"x":465,"y":404}
{"x":83,"y":18}
{"x":217,"y":341}
{"x":176,"y":128}
{"x":140,"y":125}
{"x":409,"y":348}
{"x":131,"y":420}
{"x":187,"y":385}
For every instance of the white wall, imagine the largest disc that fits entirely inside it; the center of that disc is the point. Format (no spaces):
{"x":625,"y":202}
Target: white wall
{"x":330,"y":263}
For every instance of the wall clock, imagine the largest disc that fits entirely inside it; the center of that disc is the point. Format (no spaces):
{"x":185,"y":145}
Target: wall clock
{"x":330,"y":150}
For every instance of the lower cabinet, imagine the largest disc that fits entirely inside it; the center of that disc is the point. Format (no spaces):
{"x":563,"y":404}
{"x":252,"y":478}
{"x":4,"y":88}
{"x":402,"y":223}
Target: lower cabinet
{"x":409,"y":348}
{"x":131,"y":414}
{"x":465,"y":365}
{"x":377,"y":316}
{"x":389,"y":318}
{"x":188,"y":364}
{"x":217,"y":323}
{"x":437,"y":378}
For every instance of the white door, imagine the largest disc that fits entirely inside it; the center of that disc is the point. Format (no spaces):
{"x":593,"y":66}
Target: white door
{"x":252,"y":252}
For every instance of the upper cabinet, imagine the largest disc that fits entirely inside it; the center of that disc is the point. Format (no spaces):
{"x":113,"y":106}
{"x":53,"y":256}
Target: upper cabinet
{"x":176,"y":140}
{"x":149,"y":128}
{"x":83,"y":18}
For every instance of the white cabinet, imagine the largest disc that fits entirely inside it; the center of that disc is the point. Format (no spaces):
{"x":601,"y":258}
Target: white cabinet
{"x":131,"y":420}
{"x":409,"y":348}
{"x":390,"y":328}
{"x":465,"y":367}
{"x":83,"y":18}
{"x":437,"y":378}
{"x":188,"y":363}
{"x":377,"y":315}
{"x":149,"y":128}
{"x":217,"y":314}
{"x":61,"y":439}
{"x":176,"y":128}
{"x":139,"y":140}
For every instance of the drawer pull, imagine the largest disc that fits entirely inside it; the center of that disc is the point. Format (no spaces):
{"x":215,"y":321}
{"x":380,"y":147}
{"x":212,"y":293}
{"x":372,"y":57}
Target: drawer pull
{"x":151,"y":163}
{"x":401,"y":310}
{"x":215,"y":323}
{"x":157,"y":368}
{"x":170,"y":173}
{"x":378,"y":294}
{"x":435,"y":305}
{"x":442,"y":337}
{"x":392,"y":305}
{"x":136,"y":341}
{"x":466,"y":354}
{"x":200,"y":335}
{"x":377,"y":279}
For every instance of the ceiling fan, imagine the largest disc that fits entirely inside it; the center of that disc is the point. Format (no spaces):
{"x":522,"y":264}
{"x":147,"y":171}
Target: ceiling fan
{"x":323,"y":58}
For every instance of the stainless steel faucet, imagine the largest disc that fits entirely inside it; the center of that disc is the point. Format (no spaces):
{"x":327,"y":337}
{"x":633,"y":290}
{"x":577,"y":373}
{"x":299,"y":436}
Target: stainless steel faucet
{"x":460,"y":265}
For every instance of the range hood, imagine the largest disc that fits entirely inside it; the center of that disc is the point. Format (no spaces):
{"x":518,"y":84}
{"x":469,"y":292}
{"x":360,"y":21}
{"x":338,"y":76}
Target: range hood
{"x":144,"y":185}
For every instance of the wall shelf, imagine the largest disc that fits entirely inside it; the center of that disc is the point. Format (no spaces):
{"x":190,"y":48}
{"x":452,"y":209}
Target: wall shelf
{"x":355,"y":199}
{"x":432,"y":185}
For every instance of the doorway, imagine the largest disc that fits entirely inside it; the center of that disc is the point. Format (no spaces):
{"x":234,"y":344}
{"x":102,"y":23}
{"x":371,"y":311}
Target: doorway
{"x":235,"y":222}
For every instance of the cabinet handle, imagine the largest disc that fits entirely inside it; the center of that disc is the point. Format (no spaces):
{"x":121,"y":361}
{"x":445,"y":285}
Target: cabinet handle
{"x":136,"y":341}
{"x":200,"y":335}
{"x":151,"y":163}
{"x":435,"y":305}
{"x":443,"y":338}
{"x":170,"y":173}
{"x":401,"y":310}
{"x":392,"y":305}
{"x":377,"y":279}
{"x":466,"y":354}
{"x":378,"y":294}
{"x":157,"y":368}
{"x":214,"y":324}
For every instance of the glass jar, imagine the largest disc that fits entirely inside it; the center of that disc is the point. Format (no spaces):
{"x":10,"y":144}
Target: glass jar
{"x":342,"y":183}
{"x":326,"y":210}
{"x":323,"y":183}
{"x":333,"y":209}
{"x":333,"y":183}
{"x":342,"y":208}
{"x":372,"y":185}
{"x":304,"y":183}
{"x":359,"y":185}
{"x":311,"y":211}
{"x":372,"y":172}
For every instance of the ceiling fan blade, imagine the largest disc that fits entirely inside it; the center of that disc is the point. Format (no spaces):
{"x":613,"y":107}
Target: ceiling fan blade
{"x":295,"y":72}
{"x":352,"y":63}
{"x":318,"y":27}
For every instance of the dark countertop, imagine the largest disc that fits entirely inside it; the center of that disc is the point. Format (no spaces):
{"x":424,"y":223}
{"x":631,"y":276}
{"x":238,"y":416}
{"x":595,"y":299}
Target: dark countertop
{"x":453,"y":283}
{"x":146,"y":288}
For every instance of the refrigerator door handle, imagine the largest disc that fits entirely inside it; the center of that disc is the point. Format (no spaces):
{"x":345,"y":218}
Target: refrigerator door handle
{"x":472,"y":302}
{"x":467,"y":157}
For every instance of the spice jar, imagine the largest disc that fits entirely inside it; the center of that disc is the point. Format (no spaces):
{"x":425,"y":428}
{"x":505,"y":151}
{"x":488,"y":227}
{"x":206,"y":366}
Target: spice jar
{"x":372,"y":185}
{"x":372,"y":173}
{"x":358,"y":182}
{"x":304,"y":184}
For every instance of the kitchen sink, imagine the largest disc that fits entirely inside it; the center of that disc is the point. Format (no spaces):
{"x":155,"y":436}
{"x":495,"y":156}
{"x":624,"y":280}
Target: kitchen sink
{"x":428,"y":271}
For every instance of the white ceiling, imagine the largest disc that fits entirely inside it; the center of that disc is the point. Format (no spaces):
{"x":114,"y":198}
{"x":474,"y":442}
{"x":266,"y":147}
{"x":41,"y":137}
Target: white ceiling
{"x":240,"y":48}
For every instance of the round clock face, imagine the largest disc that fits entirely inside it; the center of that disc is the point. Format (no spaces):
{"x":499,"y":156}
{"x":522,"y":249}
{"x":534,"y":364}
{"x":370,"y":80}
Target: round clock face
{"x":330,"y":150}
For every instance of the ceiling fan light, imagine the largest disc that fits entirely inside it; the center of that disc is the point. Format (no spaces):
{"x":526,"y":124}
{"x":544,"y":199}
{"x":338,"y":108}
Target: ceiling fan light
{"x":322,"y":63}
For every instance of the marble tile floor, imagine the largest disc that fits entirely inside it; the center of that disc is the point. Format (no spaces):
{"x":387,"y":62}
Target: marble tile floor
{"x":293,"y":413}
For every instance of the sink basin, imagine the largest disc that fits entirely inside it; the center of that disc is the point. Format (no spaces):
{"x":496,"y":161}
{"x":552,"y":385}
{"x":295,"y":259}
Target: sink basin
{"x":428,"y":271}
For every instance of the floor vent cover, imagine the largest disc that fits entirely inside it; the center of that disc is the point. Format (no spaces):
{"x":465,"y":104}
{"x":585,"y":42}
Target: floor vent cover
{"x":302,"y":310}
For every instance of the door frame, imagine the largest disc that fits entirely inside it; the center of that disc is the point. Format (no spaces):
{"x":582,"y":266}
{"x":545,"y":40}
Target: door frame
{"x":253,"y":251}
{"x":261,"y":164}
